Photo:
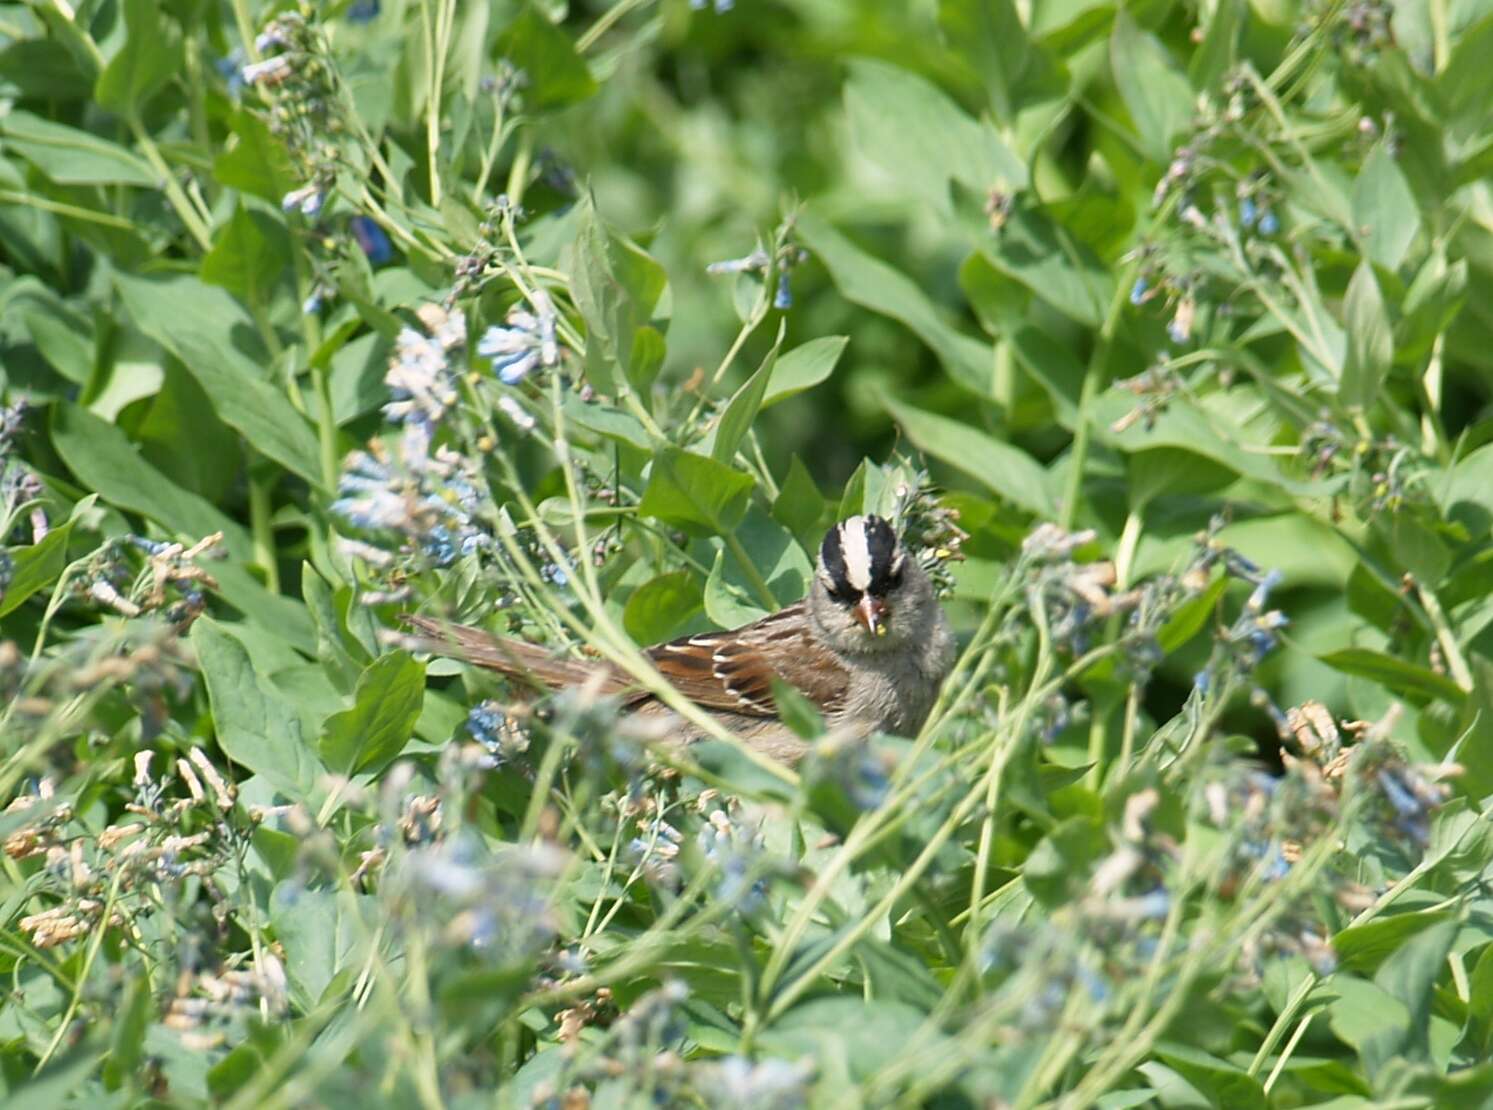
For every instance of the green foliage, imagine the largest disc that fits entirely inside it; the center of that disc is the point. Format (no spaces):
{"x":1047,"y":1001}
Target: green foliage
{"x":1160,"y":332}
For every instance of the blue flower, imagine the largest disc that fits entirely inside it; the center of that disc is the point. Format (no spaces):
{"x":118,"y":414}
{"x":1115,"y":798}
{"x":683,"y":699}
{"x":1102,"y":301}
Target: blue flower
{"x":783,"y":300}
{"x":363,"y":11}
{"x":1269,"y":224}
{"x":525,"y":344}
{"x":372,"y":240}
{"x":1139,"y":290}
{"x":1248,"y":212}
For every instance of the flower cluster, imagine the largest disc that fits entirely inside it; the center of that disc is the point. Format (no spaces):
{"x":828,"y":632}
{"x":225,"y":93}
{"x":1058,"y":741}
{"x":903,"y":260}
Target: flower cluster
{"x":299,"y":83}
{"x":420,"y":377}
{"x":525,"y":344}
{"x":425,"y":501}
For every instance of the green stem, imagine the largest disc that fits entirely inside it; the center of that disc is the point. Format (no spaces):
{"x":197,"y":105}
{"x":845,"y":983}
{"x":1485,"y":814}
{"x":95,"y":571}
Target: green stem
{"x":753,"y":575}
{"x":260,"y":511}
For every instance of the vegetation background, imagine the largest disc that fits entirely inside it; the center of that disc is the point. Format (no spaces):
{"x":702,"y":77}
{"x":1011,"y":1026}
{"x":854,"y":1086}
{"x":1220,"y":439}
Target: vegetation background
{"x":1163,"y":331}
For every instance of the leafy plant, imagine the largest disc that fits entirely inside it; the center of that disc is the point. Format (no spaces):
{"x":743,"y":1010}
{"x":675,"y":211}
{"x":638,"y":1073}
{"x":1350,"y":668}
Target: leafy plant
{"x":1157,"y":330}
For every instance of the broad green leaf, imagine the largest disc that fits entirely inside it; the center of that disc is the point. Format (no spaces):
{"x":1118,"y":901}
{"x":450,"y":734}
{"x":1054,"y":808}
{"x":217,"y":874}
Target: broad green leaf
{"x":70,"y":156}
{"x":1363,"y":948}
{"x":1225,"y":1083}
{"x":694,"y":493}
{"x":989,"y":37}
{"x":127,"y":1038}
{"x":323,"y":932}
{"x":35,"y":567}
{"x":1406,"y":679}
{"x":664,"y":607}
{"x":149,"y":57}
{"x":1036,"y":248}
{"x":800,"y":507}
{"x":736,"y":419}
{"x":255,"y":727}
{"x":1410,"y":973}
{"x":57,"y":1084}
{"x":1006,"y":470}
{"x":254,"y":161}
{"x":920,"y":138}
{"x":1154,"y":90}
{"x":191,"y":319}
{"x":1220,"y":45}
{"x":804,"y":367}
{"x":1061,"y":863}
{"x":618,"y":289}
{"x":386,"y":704}
{"x":870,"y":282}
{"x":248,"y":256}
{"x":1384,"y":210}
{"x":1055,"y":367}
{"x":557,"y":75}
{"x":726,"y":604}
{"x":63,"y":339}
{"x":1370,"y":341}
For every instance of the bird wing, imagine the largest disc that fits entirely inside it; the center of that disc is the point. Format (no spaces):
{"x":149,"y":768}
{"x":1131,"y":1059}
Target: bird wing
{"x":510,"y":657}
{"x":730,"y":670}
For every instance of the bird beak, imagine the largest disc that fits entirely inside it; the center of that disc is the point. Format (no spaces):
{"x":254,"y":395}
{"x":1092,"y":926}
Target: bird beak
{"x":871,"y":612}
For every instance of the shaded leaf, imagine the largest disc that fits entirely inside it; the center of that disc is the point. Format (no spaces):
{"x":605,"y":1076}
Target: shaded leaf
{"x":386,"y":704}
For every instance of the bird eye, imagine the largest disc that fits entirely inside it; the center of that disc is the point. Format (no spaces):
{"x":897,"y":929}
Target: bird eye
{"x":846,"y":596}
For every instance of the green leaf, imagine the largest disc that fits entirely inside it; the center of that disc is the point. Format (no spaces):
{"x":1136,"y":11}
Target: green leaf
{"x":1370,"y":340}
{"x":1008,"y":471}
{"x":35,"y":567}
{"x":800,"y":507}
{"x":663,"y":607}
{"x":1154,"y":90}
{"x":191,"y":320}
{"x":804,"y":367}
{"x":1190,"y":617}
{"x":557,"y":75}
{"x":1220,"y":45}
{"x":386,"y":705}
{"x":741,"y":410}
{"x":256,"y":728}
{"x":1054,"y":366}
{"x":1061,"y":863}
{"x":1224,"y":1083}
{"x":991,"y":39}
{"x":1410,"y":973}
{"x":149,"y":57}
{"x":617,"y":288}
{"x":64,"y":340}
{"x":69,"y":156}
{"x":127,"y":1038}
{"x":797,"y":711}
{"x":726,"y":604}
{"x":870,"y":282}
{"x":694,"y":493}
{"x":255,"y":162}
{"x":248,"y":256}
{"x":1395,"y":675}
{"x":1384,"y":209}
{"x":1364,"y":948}
{"x":57,"y":1084}
{"x":104,"y":460}
{"x":920,"y":138}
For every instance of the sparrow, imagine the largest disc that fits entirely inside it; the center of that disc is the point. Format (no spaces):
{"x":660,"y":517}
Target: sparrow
{"x":868,"y":647}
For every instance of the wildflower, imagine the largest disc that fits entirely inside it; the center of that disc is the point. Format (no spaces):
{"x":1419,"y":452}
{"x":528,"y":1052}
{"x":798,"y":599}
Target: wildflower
{"x":763,"y":1085}
{"x":1180,"y":329}
{"x":362,"y":11}
{"x":372,"y":240}
{"x":526,"y":343}
{"x":758,"y":260}
{"x":738,"y":855}
{"x":1248,"y":212}
{"x":783,"y":299}
{"x":515,"y":412}
{"x":418,"y":376}
{"x":308,"y":198}
{"x":1269,"y":224}
{"x":1140,"y":292}
{"x":270,"y":72}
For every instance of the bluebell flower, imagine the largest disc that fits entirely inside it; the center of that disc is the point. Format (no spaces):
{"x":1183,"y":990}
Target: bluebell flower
{"x":372,"y":240}
{"x":1139,"y":290}
{"x":1269,"y":224}
{"x":525,"y":344}
{"x":783,"y":299}
{"x":758,"y":260}
{"x":231,"y":69}
{"x":308,"y":198}
{"x":1248,"y":213}
{"x":270,"y":72}
{"x":363,"y":11}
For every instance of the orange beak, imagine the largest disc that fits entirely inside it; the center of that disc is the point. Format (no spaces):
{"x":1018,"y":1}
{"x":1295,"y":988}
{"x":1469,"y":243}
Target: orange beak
{"x":872,"y":613}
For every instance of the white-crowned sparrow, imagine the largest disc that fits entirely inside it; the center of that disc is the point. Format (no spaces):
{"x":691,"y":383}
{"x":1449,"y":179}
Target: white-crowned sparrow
{"x":869,"y":647}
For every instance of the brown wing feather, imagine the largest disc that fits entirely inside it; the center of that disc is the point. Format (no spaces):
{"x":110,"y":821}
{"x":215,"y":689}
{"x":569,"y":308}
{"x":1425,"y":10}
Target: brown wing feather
{"x":510,"y":657}
{"x":727,"y":671}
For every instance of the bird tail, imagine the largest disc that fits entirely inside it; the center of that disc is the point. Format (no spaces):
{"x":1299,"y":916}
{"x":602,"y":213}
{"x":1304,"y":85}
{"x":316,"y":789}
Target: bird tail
{"x":510,"y":657}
